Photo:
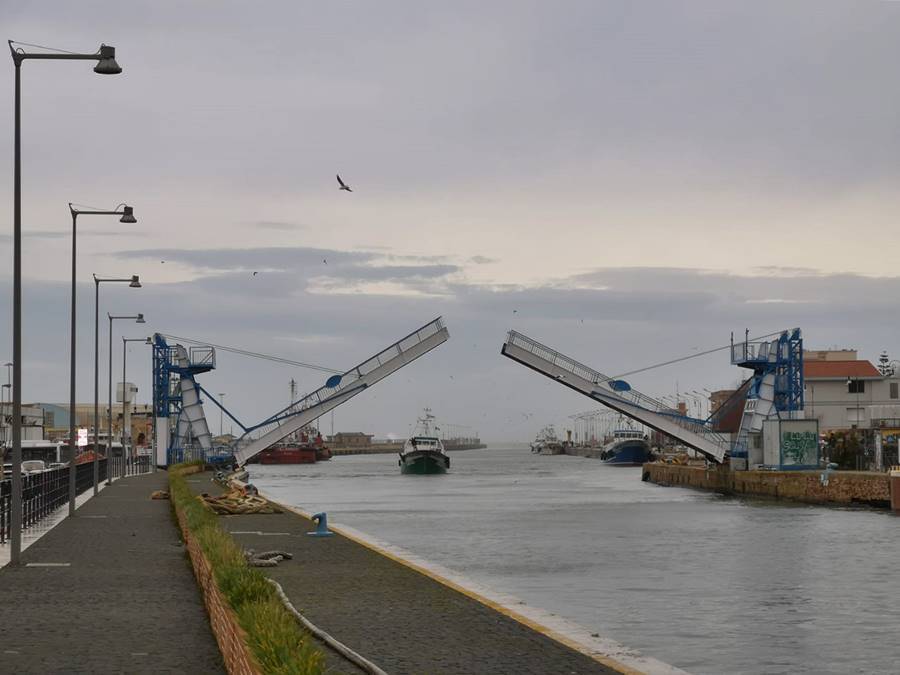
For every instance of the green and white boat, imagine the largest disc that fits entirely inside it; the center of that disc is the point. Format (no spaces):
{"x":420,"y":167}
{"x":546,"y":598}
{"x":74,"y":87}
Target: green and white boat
{"x":423,"y":453}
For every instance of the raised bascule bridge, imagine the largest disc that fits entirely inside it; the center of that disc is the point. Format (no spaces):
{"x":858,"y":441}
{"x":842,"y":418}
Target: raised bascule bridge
{"x":774,"y":390}
{"x":182,"y":431}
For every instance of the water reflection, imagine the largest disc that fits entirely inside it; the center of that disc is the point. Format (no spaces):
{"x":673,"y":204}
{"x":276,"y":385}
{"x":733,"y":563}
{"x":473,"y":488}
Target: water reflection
{"x":707,"y":583}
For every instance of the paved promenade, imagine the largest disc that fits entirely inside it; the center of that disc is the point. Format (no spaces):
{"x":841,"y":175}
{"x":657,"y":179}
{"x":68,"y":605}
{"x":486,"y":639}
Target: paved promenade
{"x":403,"y":621}
{"x":109,"y":591}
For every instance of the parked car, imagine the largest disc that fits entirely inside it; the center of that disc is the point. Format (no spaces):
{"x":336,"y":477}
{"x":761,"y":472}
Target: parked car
{"x":32,"y":466}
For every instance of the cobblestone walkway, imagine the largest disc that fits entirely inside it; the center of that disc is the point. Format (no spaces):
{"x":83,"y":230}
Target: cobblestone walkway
{"x":400,"y":619}
{"x":120,"y":596}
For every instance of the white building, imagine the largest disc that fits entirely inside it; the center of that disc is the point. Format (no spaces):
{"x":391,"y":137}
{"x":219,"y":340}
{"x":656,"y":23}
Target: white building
{"x":844,"y":392}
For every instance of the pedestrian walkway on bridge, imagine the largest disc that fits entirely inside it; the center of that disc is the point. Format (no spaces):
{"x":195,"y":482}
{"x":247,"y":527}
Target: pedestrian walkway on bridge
{"x":108,"y":591}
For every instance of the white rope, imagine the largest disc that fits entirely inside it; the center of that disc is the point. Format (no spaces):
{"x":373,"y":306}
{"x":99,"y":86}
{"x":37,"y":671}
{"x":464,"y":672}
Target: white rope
{"x":339,"y":647}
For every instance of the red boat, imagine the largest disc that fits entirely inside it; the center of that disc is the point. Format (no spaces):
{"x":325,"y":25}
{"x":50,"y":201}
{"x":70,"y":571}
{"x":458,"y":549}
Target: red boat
{"x":306,"y":450}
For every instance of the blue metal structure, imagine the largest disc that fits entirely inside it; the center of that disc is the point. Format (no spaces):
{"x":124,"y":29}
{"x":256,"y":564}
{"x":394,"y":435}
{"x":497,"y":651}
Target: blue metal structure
{"x":168,"y":392}
{"x":776,"y":387}
{"x":783,"y":358}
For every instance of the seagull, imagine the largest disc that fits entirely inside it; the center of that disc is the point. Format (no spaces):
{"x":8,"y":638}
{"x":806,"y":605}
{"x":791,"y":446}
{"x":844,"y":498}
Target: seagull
{"x":255,"y":273}
{"x":162,"y":262}
{"x":324,"y":261}
{"x":344,"y":186}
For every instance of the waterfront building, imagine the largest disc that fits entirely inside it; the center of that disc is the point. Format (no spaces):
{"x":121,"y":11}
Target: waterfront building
{"x":351,"y":439}
{"x":56,"y":420}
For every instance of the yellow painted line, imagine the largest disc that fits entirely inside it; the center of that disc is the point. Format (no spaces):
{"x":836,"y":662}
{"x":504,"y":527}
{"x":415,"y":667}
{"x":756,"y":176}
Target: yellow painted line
{"x":515,"y":616}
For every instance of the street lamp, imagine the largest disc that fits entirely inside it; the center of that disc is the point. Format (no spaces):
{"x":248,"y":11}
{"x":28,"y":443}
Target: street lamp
{"x":127,"y":216}
{"x":138,"y":318}
{"x":106,"y":65}
{"x":125,"y":342}
{"x":133,"y":282}
{"x":221,"y":407}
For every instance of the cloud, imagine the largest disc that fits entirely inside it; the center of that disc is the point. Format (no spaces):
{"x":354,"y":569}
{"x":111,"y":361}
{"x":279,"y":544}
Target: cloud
{"x":280,"y":226}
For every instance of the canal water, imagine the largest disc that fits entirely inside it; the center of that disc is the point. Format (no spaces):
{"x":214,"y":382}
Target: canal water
{"x":706,"y":583}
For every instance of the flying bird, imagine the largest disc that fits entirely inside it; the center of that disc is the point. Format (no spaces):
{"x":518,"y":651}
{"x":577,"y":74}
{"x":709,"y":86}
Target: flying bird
{"x":343,"y":185}
{"x":255,"y":273}
{"x":324,"y":261}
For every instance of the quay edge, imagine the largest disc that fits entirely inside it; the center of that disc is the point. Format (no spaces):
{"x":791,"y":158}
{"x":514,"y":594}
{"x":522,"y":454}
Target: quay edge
{"x":861,"y":488}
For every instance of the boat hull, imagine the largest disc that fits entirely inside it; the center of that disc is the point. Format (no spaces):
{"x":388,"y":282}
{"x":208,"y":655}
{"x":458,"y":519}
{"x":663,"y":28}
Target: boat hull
{"x":628,"y":453}
{"x":424,"y":463}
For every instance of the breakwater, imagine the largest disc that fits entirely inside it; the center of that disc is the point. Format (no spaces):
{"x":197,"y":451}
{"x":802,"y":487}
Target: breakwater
{"x":390,"y":448}
{"x":838,"y":487}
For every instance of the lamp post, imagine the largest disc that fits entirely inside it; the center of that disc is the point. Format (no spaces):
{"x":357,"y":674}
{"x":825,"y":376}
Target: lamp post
{"x":133,"y":282}
{"x":106,"y":65}
{"x":125,"y":416}
{"x":138,"y":318}
{"x":221,"y":405}
{"x":127,"y":216}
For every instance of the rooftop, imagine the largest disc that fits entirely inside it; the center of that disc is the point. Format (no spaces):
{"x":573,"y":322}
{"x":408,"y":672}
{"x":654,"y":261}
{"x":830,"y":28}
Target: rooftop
{"x":836,"y":370}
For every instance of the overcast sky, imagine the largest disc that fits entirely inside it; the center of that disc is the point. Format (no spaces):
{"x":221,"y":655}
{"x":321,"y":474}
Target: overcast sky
{"x":625,"y":181}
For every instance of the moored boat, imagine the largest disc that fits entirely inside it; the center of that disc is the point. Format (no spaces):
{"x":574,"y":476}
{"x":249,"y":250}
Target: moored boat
{"x":546,"y":442}
{"x":628,"y":447}
{"x":423,"y":452}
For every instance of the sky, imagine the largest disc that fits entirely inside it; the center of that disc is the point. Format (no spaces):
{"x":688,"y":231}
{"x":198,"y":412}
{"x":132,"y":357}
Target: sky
{"x":627,"y":182}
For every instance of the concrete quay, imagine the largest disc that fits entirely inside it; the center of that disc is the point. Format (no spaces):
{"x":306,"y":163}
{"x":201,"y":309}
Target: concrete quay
{"x":864,"y":488}
{"x":399,"y":617}
{"x":108,"y":591}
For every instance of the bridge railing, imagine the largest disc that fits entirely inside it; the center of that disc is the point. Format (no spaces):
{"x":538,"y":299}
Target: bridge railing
{"x":348,"y":379}
{"x":604,"y":388}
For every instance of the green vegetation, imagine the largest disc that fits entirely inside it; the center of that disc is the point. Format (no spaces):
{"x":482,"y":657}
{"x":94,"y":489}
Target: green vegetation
{"x":278,"y":642}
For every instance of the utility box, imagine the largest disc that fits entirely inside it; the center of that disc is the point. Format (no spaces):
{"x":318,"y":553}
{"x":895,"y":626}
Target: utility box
{"x":791,"y":444}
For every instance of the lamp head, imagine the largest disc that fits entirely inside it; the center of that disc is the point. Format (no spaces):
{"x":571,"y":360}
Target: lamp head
{"x":135,"y":281}
{"x":127,"y":215}
{"x":107,"y":65}
{"x":140,"y":319}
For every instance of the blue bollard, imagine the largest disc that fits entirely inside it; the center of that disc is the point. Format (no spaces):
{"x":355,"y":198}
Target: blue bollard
{"x":321,"y":526}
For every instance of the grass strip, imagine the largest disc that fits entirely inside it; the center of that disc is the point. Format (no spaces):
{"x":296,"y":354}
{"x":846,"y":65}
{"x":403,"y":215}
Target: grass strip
{"x":275,"y":638}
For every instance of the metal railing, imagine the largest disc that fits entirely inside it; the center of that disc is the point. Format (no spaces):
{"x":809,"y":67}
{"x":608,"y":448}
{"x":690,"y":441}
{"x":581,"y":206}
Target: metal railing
{"x":43,"y":493}
{"x":599,"y":380}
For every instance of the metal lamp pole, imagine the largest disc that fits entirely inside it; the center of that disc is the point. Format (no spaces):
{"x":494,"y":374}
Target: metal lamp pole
{"x":127,"y":216}
{"x":138,"y":318}
{"x":106,"y":65}
{"x":133,"y":282}
{"x":125,"y":341}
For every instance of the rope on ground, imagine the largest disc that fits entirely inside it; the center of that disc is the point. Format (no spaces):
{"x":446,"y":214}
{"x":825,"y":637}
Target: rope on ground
{"x":339,"y":647}
{"x":238,"y":500}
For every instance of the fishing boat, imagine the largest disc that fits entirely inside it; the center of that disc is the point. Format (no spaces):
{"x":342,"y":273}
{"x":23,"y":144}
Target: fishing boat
{"x":546,"y":442}
{"x":628,"y":447}
{"x":302,"y":447}
{"x":423,"y":452}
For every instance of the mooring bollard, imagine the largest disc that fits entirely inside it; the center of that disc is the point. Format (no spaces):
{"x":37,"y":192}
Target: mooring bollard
{"x":823,"y":479}
{"x":321,"y":526}
{"x":895,"y":488}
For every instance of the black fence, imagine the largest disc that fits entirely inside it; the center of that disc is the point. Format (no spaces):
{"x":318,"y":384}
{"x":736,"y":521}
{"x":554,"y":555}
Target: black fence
{"x":43,"y":493}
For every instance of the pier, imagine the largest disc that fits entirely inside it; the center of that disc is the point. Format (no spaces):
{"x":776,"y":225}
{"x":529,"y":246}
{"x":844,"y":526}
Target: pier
{"x":864,"y":488}
{"x":107,"y":591}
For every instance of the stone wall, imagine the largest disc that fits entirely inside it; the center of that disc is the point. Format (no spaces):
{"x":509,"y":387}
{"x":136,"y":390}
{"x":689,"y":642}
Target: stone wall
{"x":844,"y":487}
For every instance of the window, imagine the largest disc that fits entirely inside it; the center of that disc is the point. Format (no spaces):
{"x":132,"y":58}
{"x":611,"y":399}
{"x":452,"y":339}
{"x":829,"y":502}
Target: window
{"x":856,"y":386}
{"x":895,"y":390}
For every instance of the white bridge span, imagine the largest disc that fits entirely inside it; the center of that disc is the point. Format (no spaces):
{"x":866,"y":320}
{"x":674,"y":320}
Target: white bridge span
{"x":355,"y":380}
{"x":644,"y":409}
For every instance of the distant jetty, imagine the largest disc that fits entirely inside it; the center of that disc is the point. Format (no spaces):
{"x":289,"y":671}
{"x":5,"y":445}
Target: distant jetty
{"x":391,"y":446}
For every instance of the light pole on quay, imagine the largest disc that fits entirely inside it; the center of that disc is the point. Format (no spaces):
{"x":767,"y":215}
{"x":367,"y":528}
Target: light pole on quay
{"x":125,"y":341}
{"x":127,"y":216}
{"x":106,"y":65}
{"x":138,"y":318}
{"x":133,"y":282}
